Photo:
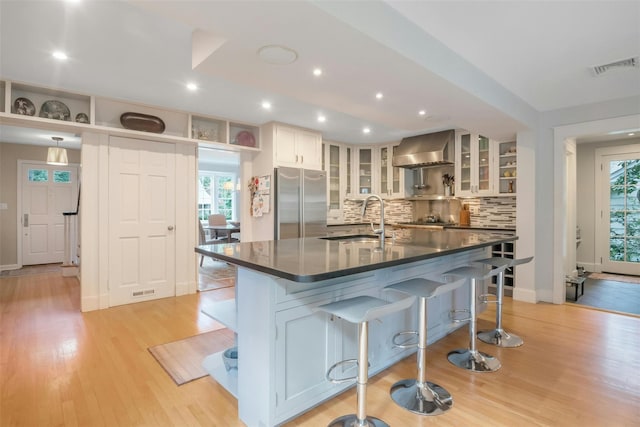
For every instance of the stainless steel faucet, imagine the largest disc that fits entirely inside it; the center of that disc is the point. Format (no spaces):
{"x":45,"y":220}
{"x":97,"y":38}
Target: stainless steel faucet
{"x":379,"y":231}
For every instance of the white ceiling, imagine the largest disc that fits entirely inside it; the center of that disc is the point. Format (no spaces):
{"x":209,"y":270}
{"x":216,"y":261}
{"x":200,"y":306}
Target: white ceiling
{"x":478,"y":65}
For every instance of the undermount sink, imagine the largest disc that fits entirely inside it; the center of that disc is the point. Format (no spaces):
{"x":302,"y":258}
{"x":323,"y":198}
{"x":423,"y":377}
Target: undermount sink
{"x":358,"y":238}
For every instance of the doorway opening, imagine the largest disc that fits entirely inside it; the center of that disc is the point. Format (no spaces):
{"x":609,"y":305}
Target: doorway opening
{"x":219,"y":213}
{"x":604,"y":223}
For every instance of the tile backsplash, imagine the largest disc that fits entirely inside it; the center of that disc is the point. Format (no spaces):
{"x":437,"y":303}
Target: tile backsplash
{"x":394,"y":211}
{"x":491,"y":211}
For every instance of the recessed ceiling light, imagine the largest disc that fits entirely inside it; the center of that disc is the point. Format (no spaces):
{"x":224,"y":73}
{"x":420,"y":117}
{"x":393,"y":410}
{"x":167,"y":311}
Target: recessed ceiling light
{"x":266,"y":105}
{"x":277,"y":55}
{"x":422,"y":112}
{"x":317,"y":72}
{"x":58,"y":54}
{"x":379,"y":95}
{"x":631,"y":134}
{"x":366,"y":130}
{"x":322,"y":118}
{"x":192,"y":86}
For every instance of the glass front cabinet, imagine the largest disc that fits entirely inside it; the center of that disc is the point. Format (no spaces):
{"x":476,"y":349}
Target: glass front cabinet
{"x":364,"y":175}
{"x":336,"y":162}
{"x":391,"y":179}
{"x":474,"y":166}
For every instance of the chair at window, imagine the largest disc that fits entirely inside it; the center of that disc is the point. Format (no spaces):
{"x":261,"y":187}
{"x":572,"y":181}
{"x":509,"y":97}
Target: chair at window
{"x":203,"y":240}
{"x":218,"y":219}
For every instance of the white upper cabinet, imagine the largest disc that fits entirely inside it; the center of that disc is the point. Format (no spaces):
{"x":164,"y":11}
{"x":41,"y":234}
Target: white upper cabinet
{"x":390,"y":179}
{"x":374,"y":172}
{"x":336,"y":161}
{"x":365,"y":169}
{"x":474,"y":168}
{"x":298,"y":148}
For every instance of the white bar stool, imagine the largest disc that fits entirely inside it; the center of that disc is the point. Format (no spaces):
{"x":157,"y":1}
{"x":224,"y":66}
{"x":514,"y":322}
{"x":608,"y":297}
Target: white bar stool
{"x":470,"y":358}
{"x":361,"y":310}
{"x":499,"y":336}
{"x":419,"y":395}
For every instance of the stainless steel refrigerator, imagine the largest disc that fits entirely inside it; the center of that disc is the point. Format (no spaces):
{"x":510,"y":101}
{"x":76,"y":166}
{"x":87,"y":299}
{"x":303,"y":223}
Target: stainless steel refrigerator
{"x":300,"y":203}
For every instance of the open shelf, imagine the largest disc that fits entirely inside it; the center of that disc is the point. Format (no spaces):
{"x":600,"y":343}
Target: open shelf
{"x":244,"y":135}
{"x":214,"y":366}
{"x":225,"y":312}
{"x":103,"y":115}
{"x":208,"y":129}
{"x":76,"y":103}
{"x":108,"y":112}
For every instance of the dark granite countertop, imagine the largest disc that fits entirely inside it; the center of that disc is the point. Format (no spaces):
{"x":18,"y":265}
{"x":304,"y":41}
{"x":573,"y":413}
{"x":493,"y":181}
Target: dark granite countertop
{"x":313,"y":259}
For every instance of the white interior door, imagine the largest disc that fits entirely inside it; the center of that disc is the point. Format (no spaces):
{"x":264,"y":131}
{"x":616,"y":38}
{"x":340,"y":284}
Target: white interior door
{"x":141,"y":220}
{"x":619,"y":231}
{"x":47,"y":191}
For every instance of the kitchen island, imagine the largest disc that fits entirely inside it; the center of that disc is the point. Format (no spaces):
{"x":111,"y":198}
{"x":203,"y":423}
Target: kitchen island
{"x":285,"y":347}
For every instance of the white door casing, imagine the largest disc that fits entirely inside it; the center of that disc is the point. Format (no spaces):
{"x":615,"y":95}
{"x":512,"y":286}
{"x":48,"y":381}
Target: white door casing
{"x":141,"y":220}
{"x":42,"y":203}
{"x":606,"y":158}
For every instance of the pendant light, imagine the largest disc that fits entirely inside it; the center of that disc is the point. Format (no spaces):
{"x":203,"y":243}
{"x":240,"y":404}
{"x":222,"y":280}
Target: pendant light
{"x":57,"y":155}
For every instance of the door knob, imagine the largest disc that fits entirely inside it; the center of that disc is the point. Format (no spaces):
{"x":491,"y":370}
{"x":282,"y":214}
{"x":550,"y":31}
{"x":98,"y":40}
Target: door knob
{"x":170,"y":228}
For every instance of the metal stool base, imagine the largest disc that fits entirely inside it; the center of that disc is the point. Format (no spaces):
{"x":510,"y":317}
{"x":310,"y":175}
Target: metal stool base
{"x":476,"y":362}
{"x":430,"y":400}
{"x":500,"y":338}
{"x":352,"y":421}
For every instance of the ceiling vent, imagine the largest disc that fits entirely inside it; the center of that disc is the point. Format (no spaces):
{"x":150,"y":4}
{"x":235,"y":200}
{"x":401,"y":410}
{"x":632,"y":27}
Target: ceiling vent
{"x":601,"y":69}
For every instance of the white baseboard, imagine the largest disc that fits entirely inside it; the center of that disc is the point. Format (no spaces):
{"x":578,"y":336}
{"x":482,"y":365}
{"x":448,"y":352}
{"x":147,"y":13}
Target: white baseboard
{"x":525,"y":295}
{"x":9,"y":267}
{"x":89,"y":303}
{"x":185,"y":288}
{"x":591,"y":267}
{"x":70,"y":271}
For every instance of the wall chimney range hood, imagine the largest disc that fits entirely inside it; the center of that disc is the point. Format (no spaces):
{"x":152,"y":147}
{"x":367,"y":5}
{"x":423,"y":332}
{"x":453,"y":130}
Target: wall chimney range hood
{"x":432,"y":149}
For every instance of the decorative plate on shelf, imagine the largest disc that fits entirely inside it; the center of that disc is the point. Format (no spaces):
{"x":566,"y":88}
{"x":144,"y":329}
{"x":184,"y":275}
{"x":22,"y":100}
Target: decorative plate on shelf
{"x":55,"y":110}
{"x":143,"y":122}
{"x":24,"y":106}
{"x":245,"y":138}
{"x":82,"y":118}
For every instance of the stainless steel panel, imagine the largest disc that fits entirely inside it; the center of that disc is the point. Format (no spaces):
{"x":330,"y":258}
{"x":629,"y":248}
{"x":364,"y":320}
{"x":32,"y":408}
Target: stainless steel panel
{"x":314,"y":203}
{"x":287,"y":202}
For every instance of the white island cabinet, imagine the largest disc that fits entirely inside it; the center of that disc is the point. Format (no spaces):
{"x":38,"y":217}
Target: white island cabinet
{"x":285,"y":346}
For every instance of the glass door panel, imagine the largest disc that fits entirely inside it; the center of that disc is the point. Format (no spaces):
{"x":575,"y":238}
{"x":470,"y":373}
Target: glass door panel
{"x":348,"y":183}
{"x":483,"y":164}
{"x":624,"y":212}
{"x":384,"y":174}
{"x":465,"y":163}
{"x":366,"y":168}
{"x":334,"y":177}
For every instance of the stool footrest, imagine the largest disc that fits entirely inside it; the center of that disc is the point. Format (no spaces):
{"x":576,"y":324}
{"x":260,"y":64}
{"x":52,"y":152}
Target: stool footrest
{"x":488,"y":299}
{"x":404,"y":344}
{"x":454,"y":313}
{"x":337,"y":364}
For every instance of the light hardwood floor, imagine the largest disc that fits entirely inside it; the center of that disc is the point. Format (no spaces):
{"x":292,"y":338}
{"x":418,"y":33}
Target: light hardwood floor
{"x":578,"y":367}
